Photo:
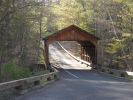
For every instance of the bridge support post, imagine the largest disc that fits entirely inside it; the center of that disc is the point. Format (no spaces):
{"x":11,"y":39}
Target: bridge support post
{"x":89,"y":53}
{"x":81,"y":52}
{"x":46,"y":55}
{"x":95,"y":55}
{"x":36,"y":82}
{"x":19,"y":87}
{"x":49,"y":79}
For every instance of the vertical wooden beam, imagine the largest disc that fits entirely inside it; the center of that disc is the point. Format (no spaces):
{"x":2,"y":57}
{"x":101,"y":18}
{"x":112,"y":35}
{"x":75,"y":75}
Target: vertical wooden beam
{"x":37,"y":82}
{"x":83,"y":53}
{"x":49,"y":79}
{"x":95,"y":55}
{"x":92,"y":55}
{"x":88,"y":50}
{"x":55,"y":76}
{"x":19,"y":87}
{"x":46,"y":54}
{"x":87,"y":54}
{"x":82,"y":57}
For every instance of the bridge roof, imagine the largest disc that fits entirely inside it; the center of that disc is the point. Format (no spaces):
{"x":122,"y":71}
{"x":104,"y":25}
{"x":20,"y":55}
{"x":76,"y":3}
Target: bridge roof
{"x":72,"y":33}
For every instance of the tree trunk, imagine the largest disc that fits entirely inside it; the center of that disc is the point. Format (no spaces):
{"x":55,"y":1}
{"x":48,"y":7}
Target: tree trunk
{"x":1,"y":56}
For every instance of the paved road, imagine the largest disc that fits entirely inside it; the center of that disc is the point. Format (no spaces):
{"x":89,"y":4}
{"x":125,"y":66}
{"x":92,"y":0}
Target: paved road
{"x":78,"y":82}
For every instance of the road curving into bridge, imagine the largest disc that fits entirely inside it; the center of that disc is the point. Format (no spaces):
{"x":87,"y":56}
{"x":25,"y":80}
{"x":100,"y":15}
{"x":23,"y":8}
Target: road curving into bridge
{"x":78,"y":82}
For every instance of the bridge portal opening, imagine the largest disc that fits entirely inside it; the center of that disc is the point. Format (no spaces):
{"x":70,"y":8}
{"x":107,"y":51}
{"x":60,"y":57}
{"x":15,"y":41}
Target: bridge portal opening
{"x":87,"y":41}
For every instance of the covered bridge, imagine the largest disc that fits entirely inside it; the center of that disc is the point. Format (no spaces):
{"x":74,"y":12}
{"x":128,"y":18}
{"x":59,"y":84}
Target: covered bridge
{"x":87,"y":41}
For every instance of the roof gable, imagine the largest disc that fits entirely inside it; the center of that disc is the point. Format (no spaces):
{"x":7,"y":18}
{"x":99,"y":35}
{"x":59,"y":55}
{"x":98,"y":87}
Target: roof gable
{"x":71,"y":33}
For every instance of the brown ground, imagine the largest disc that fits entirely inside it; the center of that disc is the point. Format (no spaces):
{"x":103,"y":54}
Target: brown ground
{"x":72,"y":46}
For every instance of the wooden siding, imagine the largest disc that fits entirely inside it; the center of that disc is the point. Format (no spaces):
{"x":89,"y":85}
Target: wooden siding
{"x":87,"y":41}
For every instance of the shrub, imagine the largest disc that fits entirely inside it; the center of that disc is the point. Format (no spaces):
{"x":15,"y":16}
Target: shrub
{"x":10,"y":71}
{"x":25,"y":72}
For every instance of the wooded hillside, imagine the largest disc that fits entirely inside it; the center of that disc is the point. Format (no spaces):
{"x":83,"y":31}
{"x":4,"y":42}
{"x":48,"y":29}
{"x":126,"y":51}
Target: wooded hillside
{"x":23,"y":23}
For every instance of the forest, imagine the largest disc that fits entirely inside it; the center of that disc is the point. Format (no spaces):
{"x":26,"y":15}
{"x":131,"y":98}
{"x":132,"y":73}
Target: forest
{"x":23,"y":24}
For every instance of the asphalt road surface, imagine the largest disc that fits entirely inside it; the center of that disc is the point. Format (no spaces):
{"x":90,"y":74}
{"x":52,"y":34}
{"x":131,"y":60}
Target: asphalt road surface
{"x":78,"y":82}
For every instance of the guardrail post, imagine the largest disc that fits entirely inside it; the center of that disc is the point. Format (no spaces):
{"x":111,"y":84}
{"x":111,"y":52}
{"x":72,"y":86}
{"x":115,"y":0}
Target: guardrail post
{"x":49,"y":79}
{"x":122,"y":75}
{"x":110,"y":72}
{"x":55,"y":76}
{"x":19,"y":87}
{"x":37,"y":82}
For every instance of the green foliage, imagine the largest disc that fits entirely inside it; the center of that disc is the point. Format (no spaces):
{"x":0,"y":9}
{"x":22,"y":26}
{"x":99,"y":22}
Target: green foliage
{"x":41,"y":72}
{"x":41,"y":59}
{"x":24,"y":24}
{"x":12,"y":72}
{"x":74,"y":12}
{"x":114,"y":46}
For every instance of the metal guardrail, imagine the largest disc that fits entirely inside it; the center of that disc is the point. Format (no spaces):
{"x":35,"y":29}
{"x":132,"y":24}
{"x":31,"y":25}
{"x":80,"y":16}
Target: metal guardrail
{"x":82,"y":61}
{"x":17,"y":84}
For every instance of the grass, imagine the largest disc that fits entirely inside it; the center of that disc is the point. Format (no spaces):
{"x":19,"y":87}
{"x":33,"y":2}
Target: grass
{"x":116,"y":74}
{"x":41,"y":73}
{"x":43,"y":81}
{"x":128,"y":76}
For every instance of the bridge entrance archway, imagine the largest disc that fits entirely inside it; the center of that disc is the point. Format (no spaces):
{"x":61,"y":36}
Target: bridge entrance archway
{"x":87,"y":41}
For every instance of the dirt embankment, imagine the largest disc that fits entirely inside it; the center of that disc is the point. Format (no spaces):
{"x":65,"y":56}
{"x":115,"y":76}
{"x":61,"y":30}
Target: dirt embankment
{"x":72,"y":46}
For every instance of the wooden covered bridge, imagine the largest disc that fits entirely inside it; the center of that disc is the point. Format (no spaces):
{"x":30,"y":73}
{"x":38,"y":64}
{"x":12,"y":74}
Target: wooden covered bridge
{"x":87,"y":41}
